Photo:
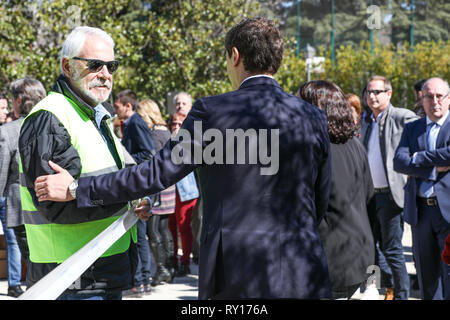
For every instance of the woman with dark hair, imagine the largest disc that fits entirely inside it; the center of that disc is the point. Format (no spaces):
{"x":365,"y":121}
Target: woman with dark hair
{"x":345,"y":231}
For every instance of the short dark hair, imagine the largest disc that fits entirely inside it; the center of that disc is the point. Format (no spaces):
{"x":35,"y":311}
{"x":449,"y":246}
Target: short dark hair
{"x":30,"y":91}
{"x":259,"y":42}
{"x":419,"y":84}
{"x":128,"y":96}
{"x":331,"y":99}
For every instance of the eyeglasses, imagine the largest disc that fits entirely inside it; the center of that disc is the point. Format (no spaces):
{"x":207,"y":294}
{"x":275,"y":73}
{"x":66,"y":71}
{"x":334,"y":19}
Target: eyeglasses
{"x":376,"y":92}
{"x":439,"y":97}
{"x":96,"y":65}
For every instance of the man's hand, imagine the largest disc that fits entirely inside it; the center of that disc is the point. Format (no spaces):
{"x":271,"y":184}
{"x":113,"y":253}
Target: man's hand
{"x":54,"y":187}
{"x":442,"y":169}
{"x":142,"y":211}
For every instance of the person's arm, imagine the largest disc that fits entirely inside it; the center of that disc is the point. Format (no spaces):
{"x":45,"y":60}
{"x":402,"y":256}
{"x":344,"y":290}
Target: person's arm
{"x":436,"y":158}
{"x":44,"y":138}
{"x":135,"y":182}
{"x":403,"y":159}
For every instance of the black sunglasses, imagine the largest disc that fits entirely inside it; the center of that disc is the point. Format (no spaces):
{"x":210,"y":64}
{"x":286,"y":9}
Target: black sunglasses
{"x":96,"y":65}
{"x":375,"y":92}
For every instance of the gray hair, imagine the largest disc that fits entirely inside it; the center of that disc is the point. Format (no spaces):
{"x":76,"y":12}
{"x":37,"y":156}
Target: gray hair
{"x":30,"y":90}
{"x":75,"y":41}
{"x":182,"y":93}
{"x":435,"y":78}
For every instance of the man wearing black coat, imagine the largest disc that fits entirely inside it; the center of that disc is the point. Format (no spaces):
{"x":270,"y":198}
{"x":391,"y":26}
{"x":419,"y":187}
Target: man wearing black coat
{"x":259,"y":236}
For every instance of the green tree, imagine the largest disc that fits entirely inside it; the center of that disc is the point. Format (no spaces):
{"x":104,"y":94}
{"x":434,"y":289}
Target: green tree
{"x":431,"y":19}
{"x":162,"y":45}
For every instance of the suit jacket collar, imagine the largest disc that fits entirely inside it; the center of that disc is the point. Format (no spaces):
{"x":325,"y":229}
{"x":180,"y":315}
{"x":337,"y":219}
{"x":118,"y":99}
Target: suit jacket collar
{"x":422,"y":133}
{"x":368,"y":122}
{"x":443,"y":133}
{"x":259,"y":81}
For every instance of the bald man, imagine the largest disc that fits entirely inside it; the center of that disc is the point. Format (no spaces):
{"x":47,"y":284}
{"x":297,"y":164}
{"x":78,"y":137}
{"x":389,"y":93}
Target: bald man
{"x":423,"y":154}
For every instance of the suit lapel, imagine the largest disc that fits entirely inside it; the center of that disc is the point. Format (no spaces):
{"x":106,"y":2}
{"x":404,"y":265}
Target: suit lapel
{"x":422,"y":132}
{"x":443,"y":134}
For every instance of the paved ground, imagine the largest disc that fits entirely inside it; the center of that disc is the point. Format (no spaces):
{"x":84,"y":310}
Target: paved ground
{"x":185,"y":288}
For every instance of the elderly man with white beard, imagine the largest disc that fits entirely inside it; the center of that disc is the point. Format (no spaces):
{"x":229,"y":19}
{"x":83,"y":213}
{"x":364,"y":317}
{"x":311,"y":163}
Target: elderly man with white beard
{"x":69,"y":127}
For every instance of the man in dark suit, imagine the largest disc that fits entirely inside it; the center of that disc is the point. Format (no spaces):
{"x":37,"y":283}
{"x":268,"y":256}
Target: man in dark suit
{"x":259,"y":236}
{"x":424,"y":155}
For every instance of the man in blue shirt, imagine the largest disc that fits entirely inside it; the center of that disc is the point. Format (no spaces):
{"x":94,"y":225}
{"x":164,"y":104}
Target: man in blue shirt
{"x":423,"y":154}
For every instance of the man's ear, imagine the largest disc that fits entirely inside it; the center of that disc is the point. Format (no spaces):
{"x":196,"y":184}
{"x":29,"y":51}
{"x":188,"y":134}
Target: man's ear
{"x":389,"y":93}
{"x":67,"y":69}
{"x":235,"y":56}
{"x":129,"y":107}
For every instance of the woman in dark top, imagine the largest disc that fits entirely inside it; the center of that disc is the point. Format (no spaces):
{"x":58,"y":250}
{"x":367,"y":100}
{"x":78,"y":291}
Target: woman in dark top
{"x":160,"y":238}
{"x":345,"y":231}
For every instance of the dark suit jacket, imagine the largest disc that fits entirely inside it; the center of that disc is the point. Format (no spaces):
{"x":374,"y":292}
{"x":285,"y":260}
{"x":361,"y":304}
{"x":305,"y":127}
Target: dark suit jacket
{"x":9,"y":171}
{"x":137,"y":138}
{"x":259,"y":231}
{"x":414,"y":140}
{"x":345,"y":231}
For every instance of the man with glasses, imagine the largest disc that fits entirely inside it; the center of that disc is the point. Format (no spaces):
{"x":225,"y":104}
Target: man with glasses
{"x":424,"y":156}
{"x":381,"y":132}
{"x":69,"y":127}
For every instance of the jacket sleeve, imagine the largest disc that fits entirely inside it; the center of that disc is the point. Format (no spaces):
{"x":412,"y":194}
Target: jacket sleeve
{"x":146,"y":178}
{"x":439,"y":157}
{"x":403,"y":157}
{"x":43,"y":138}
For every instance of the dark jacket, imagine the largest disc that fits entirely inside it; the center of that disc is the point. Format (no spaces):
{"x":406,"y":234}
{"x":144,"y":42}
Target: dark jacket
{"x":44,"y":138}
{"x":259,"y":235}
{"x":137,"y":138}
{"x":345,"y":230}
{"x":414,"y":139}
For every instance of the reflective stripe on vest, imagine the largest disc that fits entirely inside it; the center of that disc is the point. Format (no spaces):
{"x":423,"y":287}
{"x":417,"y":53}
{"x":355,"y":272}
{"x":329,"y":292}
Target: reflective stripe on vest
{"x":50,"y":242}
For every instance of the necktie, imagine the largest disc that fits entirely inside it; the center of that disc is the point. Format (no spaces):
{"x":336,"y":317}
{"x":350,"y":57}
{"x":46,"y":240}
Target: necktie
{"x":432,"y":130}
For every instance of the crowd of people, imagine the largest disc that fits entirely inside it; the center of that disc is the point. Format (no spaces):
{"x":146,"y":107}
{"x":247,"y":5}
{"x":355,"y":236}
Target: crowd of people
{"x":352,"y":170}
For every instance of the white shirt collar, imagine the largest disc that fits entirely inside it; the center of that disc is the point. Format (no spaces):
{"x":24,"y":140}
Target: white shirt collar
{"x":441,"y":121}
{"x":100,"y":112}
{"x":256,"y":76}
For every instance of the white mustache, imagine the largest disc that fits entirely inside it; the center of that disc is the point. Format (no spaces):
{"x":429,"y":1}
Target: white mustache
{"x":99,"y":83}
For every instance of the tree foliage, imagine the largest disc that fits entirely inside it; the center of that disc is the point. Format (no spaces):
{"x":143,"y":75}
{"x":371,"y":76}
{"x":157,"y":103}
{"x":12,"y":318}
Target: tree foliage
{"x":355,"y":65}
{"x":174,"y":45}
{"x":431,"y":19}
{"x":162,"y":45}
